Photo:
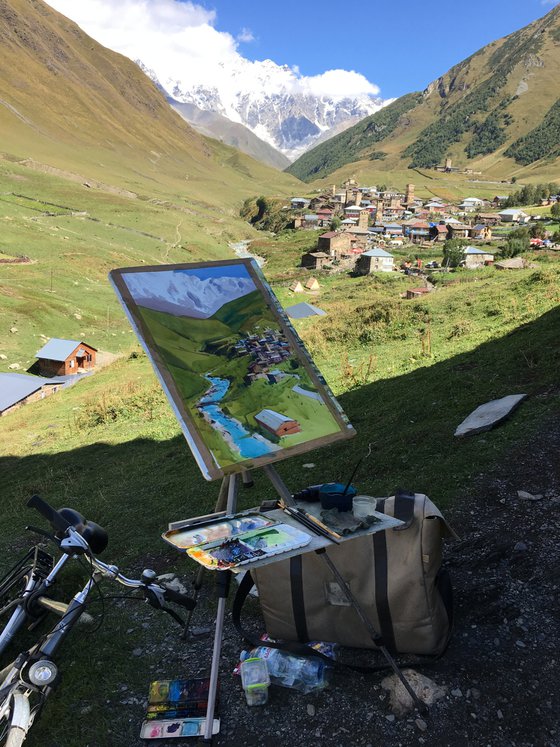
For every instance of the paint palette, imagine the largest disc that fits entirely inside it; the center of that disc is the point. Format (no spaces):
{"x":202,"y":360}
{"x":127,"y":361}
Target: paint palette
{"x":256,"y":544}
{"x":218,"y":531}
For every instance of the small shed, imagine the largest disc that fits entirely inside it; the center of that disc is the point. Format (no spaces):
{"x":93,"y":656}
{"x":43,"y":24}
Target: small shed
{"x":19,"y":389}
{"x":315,"y":260}
{"x":62,"y":357}
{"x":296,"y":287}
{"x":276,"y":423}
{"x":417,"y":292}
{"x":312,"y":284}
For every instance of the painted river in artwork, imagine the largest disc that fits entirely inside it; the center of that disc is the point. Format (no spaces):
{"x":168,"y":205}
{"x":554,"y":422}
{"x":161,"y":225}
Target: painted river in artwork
{"x":249,"y":445}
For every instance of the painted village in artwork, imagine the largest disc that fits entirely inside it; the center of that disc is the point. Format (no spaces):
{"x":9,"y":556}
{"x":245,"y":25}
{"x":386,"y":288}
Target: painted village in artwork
{"x":242,"y":383}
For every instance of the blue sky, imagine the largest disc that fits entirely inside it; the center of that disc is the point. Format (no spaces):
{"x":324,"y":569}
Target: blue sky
{"x":400,"y":46}
{"x":385,"y":48}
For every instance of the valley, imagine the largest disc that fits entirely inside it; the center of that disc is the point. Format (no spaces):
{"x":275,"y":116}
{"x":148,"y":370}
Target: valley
{"x":109,"y":176}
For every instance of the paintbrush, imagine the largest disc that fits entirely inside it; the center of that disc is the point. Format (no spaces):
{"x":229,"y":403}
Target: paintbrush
{"x":311,"y":522}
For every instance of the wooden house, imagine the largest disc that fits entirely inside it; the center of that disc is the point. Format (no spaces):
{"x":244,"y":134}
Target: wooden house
{"x":438,"y":233}
{"x":457,"y":231}
{"x":480,"y":232}
{"x":63,"y":357}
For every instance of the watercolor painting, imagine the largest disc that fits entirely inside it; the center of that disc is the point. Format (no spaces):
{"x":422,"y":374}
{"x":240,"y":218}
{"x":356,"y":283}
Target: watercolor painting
{"x":241,"y":383}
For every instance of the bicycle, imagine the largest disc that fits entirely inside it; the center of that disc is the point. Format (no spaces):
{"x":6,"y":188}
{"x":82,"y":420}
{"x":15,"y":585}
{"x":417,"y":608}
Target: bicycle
{"x":26,"y":596}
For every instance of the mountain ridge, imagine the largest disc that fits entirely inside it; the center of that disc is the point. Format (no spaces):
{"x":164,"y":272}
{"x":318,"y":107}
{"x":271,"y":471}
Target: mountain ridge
{"x":478,"y":114}
{"x":266,"y":98}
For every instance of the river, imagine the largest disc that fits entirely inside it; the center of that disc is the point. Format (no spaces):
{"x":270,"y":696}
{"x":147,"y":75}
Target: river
{"x":249,"y":445}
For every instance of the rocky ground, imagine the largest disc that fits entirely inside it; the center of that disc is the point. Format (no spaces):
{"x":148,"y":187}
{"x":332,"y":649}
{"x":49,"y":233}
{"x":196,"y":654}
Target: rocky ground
{"x":500,"y":671}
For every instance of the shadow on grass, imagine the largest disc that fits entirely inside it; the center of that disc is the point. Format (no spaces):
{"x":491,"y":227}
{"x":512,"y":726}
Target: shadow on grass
{"x":136,"y":488}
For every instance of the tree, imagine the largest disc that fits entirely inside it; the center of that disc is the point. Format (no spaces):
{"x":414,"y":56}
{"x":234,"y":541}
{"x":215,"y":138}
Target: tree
{"x":512,"y":248}
{"x":453,"y":252}
{"x":537,"y":231}
{"x":555,"y":210}
{"x":334,"y":224}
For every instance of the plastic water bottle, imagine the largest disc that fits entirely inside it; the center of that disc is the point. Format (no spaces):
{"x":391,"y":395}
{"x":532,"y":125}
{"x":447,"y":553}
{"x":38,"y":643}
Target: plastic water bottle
{"x":296,"y":672}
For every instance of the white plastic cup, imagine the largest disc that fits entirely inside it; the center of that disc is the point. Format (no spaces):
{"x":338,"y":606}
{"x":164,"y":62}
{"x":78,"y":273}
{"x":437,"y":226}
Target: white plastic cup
{"x":363,"y":505}
{"x":255,"y":680}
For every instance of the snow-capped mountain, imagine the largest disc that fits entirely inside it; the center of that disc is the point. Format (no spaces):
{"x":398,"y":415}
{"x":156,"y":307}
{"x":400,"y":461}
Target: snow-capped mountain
{"x":281,"y":107}
{"x":187,"y":293}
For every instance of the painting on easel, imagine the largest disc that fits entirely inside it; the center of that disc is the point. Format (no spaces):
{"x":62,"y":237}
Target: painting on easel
{"x":237,"y":375}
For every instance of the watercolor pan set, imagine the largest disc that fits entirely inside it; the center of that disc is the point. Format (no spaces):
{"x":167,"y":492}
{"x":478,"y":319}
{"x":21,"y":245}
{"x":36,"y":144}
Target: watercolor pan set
{"x":234,"y":542}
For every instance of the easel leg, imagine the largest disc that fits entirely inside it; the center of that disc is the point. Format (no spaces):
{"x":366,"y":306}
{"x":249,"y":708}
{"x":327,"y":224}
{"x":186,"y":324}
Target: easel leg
{"x":374,"y":635}
{"x":222,"y":583}
{"x":197,"y":583}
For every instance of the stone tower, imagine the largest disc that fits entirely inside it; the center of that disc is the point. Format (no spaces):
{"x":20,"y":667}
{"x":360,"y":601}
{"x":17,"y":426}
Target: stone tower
{"x":409,"y":197}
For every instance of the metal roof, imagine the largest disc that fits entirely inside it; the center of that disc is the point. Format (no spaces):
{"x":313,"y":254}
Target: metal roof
{"x":15,"y":387}
{"x":303,"y":310}
{"x":474,"y":250}
{"x":377,"y":252}
{"x":57,"y":349}
{"x":272,"y":419}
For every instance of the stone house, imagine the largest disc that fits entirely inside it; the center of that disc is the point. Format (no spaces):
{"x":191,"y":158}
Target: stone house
{"x":19,"y":389}
{"x":474,"y":257}
{"x":333,"y":242}
{"x":374,"y":260}
{"x":315,"y":260}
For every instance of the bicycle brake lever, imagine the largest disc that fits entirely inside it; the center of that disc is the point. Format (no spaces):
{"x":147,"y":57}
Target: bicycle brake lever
{"x":43,"y":532}
{"x":174,"y":615}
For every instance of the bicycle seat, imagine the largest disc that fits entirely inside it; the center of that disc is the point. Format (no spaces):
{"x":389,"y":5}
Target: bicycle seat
{"x":94,"y":535}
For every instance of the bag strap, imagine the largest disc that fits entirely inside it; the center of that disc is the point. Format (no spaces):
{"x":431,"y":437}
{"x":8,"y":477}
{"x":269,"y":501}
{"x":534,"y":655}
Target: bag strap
{"x":291,"y":647}
{"x":404,"y":508}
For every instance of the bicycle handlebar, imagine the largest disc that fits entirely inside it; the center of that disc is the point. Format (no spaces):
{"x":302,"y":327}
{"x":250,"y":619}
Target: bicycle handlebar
{"x":156,"y":593}
{"x":50,"y":513}
{"x":170,"y":595}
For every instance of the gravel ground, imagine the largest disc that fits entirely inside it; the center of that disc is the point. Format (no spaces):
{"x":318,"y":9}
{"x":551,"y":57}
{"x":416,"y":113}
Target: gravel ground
{"x":500,"y":669}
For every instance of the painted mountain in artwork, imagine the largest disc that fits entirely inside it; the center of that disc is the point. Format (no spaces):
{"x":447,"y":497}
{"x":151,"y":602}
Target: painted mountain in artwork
{"x":184,"y":294}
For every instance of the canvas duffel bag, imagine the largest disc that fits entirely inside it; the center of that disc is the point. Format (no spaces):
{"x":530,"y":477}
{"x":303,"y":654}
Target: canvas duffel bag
{"x":395,"y":575}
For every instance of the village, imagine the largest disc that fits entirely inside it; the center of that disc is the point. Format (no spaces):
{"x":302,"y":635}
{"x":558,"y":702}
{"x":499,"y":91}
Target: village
{"x":365,"y":223}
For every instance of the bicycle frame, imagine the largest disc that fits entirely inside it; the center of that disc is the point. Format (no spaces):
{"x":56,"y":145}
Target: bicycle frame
{"x":26,"y":682}
{"x":20,"y":614}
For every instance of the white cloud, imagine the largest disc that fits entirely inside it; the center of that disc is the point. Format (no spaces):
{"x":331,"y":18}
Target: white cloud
{"x":246,"y":35}
{"x":179,"y":42}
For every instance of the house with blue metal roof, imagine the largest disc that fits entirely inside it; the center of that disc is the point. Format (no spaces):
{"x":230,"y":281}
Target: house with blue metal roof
{"x":64,"y":357}
{"x":19,"y":389}
{"x":474,"y":257}
{"x":374,"y":260}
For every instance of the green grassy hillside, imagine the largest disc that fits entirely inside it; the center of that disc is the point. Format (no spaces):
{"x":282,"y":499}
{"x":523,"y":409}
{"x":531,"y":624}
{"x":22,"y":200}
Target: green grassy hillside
{"x":495,"y":112}
{"x":97,"y":172}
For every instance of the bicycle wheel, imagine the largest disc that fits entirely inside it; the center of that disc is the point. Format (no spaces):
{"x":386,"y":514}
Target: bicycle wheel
{"x":16,"y":719}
